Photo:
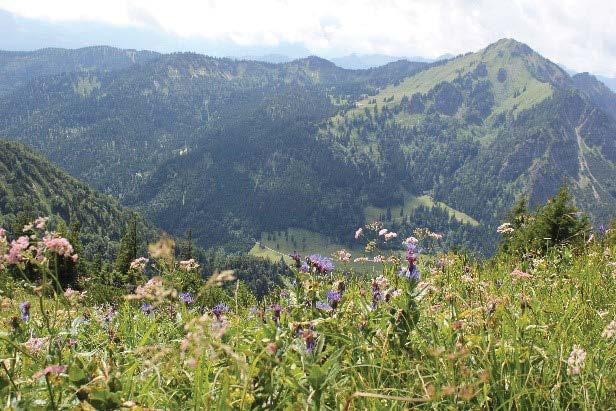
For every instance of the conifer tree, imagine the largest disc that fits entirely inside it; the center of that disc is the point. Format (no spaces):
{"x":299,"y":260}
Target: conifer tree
{"x":128,"y":248}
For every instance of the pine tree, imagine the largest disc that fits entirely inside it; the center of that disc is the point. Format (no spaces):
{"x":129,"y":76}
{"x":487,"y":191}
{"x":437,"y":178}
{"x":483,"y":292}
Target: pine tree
{"x":128,"y":248}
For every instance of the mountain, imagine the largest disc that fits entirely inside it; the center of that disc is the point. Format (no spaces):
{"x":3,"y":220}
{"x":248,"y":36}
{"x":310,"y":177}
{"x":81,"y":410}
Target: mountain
{"x":608,"y":81}
{"x":235,"y":149}
{"x":367,"y":61}
{"x":31,"y":186}
{"x":597,"y":92}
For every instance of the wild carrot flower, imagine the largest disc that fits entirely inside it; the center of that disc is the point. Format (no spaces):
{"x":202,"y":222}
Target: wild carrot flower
{"x":576,"y":360}
{"x":189,"y":265}
{"x":139,"y":264}
{"x":25,"y":310}
{"x":505,"y":228}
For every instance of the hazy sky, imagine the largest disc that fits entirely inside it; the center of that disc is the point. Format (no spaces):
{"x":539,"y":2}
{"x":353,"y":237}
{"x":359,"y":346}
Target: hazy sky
{"x":580,"y":34}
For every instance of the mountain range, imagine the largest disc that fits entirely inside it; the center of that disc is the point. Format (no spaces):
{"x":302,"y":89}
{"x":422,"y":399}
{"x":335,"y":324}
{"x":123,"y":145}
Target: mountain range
{"x":236,"y":148}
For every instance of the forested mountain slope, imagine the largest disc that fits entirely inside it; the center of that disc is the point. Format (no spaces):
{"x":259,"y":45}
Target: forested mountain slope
{"x":30,"y":187}
{"x":233,"y":149}
{"x":19,"y":67}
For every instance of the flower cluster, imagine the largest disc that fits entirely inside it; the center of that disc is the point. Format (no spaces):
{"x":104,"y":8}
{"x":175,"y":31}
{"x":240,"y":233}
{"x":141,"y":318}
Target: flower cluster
{"x":60,"y":246}
{"x":189,"y":265}
{"x":505,"y":228}
{"x":320,"y":264}
{"x":576,"y":360}
{"x":154,"y":290}
{"x":139,"y":264}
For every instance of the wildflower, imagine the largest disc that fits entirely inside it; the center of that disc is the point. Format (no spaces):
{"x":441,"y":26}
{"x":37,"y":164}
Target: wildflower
{"x":378,"y":259}
{"x":382,"y":232}
{"x":40,"y":223}
{"x":295,"y":256}
{"x":271,"y":348}
{"x":322,"y":265}
{"x":390,"y":236}
{"x":505,"y":228}
{"x":58,"y":245}
{"x":109,"y":315}
{"x":304,"y":268}
{"x":334,"y":298}
{"x":343,"y":256}
{"x":435,"y":236}
{"x":361,"y":260}
{"x":219,"y":310}
{"x":411,"y":273}
{"x":25,"y":310}
{"x":323,"y":306}
{"x":521,"y":275}
{"x":72,"y":342}
{"x":2,"y":234}
{"x":458,"y":324}
{"x":52,"y":369}
{"x":186,"y":298}
{"x":610,"y":331}
{"x":153,"y":290}
{"x":163,"y":249}
{"x":410,"y":240}
{"x":276,"y":309}
{"x":147,"y":309}
{"x":18,"y":246}
{"x":35,"y":345}
{"x":189,"y":265}
{"x":576,"y":360}
{"x":602,"y":229}
{"x":381,"y":282}
{"x":139,"y":264}
{"x":309,"y":337}
{"x":359,"y":233}
{"x":72,"y":295}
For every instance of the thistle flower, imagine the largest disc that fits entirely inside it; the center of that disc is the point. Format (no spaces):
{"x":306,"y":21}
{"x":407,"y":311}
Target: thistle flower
{"x":219,"y":310}
{"x":186,"y":298}
{"x":576,"y":360}
{"x":25,"y":310}
{"x":276,"y":309}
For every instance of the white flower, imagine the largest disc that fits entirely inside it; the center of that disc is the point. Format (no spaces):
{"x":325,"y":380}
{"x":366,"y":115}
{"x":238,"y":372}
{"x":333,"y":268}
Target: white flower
{"x":505,"y":228}
{"x":610,"y":331}
{"x":577,"y":358}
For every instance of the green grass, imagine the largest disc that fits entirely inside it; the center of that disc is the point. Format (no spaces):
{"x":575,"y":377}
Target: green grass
{"x":469,"y":336}
{"x":411,"y":203}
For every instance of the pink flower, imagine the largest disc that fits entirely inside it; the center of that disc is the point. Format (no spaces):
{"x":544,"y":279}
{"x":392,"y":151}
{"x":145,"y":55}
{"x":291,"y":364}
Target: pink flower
{"x":390,"y":236}
{"x":35,"y":345}
{"x":189,"y":265}
{"x":139,"y":264}
{"x":521,"y":275}
{"x":410,"y":240}
{"x":382,"y":231}
{"x":359,"y":233}
{"x":41,"y":222}
{"x":343,"y":255}
{"x":52,"y":369}
{"x":17,"y":247}
{"x":2,"y":233}
{"x":58,"y":245}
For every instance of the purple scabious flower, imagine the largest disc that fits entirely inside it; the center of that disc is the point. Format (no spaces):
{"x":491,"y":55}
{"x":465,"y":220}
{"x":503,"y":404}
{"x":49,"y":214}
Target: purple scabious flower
{"x":323,"y":306}
{"x":322,"y":265}
{"x":219,"y":310}
{"x":186,"y":298}
{"x":411,"y":273}
{"x":25,"y":310}
{"x":147,"y":309}
{"x":276,"y":309}
{"x":334,"y":298}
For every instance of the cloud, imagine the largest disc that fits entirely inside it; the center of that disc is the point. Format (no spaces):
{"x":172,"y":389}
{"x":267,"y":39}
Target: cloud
{"x":574,"y":33}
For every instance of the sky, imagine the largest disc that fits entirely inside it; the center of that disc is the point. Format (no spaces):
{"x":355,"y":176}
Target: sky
{"x":579,"y":35}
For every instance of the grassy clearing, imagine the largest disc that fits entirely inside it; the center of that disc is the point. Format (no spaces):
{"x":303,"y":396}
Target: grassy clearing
{"x":411,"y":203}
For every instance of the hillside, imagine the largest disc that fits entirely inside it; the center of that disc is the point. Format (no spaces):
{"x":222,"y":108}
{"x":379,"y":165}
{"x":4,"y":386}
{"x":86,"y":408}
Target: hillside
{"x":30,"y":186}
{"x":17,"y":68}
{"x":237,"y":149}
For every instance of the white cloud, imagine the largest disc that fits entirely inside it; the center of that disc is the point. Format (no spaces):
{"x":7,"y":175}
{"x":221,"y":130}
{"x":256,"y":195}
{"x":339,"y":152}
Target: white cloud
{"x":578,"y":34}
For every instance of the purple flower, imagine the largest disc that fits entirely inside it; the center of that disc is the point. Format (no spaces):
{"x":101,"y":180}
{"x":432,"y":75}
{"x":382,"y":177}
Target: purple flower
{"x":147,"y":309}
{"x":322,"y":265}
{"x":297,"y":258}
{"x":411,"y":253}
{"x":310,"y":338}
{"x":602,"y":229}
{"x":411,"y":273}
{"x":186,"y":298}
{"x":109,"y":315}
{"x":219,"y":310}
{"x":25,"y":310}
{"x":334,"y":298}
{"x":304,"y":268}
{"x":323,"y":306}
{"x":277,"y":309}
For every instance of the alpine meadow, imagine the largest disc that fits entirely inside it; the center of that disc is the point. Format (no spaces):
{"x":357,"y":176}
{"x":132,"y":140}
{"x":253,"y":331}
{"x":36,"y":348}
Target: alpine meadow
{"x":186,"y":231}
